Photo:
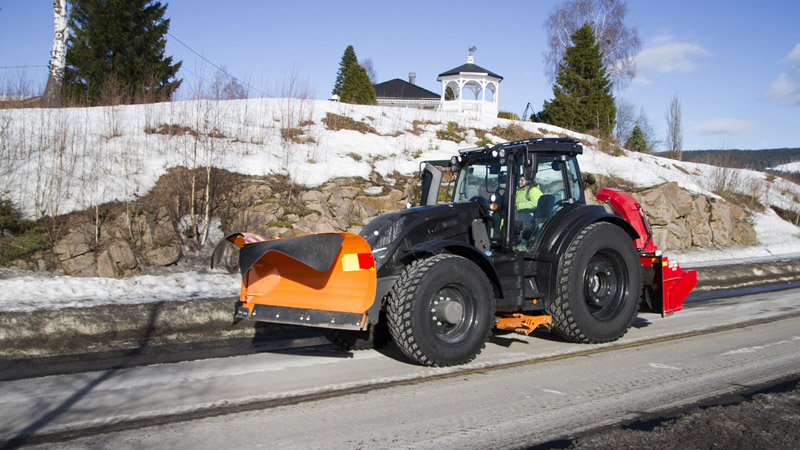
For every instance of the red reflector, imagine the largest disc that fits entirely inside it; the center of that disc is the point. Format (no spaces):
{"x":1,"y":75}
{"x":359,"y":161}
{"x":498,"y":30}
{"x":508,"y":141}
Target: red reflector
{"x":366,"y":261}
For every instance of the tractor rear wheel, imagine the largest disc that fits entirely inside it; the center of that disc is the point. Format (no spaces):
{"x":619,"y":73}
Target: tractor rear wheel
{"x":441,"y":310}
{"x":599,"y":286}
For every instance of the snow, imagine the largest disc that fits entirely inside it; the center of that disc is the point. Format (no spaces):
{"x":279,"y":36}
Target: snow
{"x":102,"y":154}
{"x":788,"y":167}
{"x":30,"y":292}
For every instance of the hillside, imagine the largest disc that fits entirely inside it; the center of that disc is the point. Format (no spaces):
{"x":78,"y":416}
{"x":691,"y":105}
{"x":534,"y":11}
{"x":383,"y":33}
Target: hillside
{"x":145,"y":191}
{"x":58,"y":161}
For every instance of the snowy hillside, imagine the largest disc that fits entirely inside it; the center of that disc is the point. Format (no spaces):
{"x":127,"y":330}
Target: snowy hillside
{"x":57,"y":161}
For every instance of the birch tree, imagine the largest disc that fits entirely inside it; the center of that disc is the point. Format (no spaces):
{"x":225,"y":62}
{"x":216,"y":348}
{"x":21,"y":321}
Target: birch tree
{"x":619,"y":43}
{"x":58,"y":56}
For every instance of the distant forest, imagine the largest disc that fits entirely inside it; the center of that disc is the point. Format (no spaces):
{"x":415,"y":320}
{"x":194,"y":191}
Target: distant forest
{"x":742,"y":159}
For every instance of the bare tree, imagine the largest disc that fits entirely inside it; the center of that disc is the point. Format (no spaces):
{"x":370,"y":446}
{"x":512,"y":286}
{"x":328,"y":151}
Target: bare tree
{"x":674,"y":131}
{"x":625,"y":120}
{"x":226,"y":87}
{"x":369,"y":66}
{"x":618,"y":43}
{"x":58,"y":56}
{"x":648,"y":130}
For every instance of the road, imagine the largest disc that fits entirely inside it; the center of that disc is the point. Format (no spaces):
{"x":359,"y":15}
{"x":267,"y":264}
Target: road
{"x":519,"y":392}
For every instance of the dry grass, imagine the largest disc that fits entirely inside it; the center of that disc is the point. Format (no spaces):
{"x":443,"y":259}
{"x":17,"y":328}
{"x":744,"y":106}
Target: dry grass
{"x":335,"y":122}
{"x":417,"y":124}
{"x":514,"y":132}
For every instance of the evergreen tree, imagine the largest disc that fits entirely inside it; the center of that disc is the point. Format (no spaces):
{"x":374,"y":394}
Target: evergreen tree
{"x":583,"y":99}
{"x":116,"y":47}
{"x":637,"y":141}
{"x":348,"y":59}
{"x":357,"y":88}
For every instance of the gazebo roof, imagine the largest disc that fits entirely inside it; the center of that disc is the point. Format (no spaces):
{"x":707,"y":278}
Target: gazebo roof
{"x":468,"y":68}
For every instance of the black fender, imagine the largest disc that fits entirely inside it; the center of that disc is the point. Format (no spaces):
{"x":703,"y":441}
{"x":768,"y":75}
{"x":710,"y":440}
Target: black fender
{"x":559,"y":234}
{"x":425,"y":249}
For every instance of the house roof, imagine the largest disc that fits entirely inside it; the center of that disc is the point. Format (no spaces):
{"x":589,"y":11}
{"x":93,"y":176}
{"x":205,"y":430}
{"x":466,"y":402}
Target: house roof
{"x":469,"y":67}
{"x":401,"y":89}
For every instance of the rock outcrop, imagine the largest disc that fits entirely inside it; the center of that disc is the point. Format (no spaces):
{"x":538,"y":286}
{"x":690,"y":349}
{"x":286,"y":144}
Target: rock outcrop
{"x":138,"y":242}
{"x":681,"y":220}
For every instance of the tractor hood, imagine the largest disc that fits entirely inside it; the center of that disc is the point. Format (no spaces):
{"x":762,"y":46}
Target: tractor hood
{"x":393,"y":235}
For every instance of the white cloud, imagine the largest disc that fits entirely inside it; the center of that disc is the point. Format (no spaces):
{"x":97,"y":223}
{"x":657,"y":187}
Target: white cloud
{"x":794,"y":55}
{"x":723,"y":126}
{"x":786,"y":87}
{"x":670,"y":57}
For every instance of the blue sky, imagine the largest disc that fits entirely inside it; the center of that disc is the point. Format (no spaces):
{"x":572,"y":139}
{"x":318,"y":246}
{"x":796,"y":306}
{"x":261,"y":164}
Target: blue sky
{"x":735,"y":65}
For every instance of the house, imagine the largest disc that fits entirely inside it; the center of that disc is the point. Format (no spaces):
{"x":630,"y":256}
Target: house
{"x":406,"y":94}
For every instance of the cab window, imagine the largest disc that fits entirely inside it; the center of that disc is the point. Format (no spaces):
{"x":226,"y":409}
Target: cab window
{"x":538,"y":200}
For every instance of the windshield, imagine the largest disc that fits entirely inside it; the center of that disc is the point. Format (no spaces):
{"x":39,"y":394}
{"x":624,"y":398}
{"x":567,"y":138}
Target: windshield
{"x":478,"y":180}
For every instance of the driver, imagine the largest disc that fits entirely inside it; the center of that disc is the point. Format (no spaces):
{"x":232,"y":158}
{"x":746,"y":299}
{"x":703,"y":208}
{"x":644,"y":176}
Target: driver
{"x":528,"y":194}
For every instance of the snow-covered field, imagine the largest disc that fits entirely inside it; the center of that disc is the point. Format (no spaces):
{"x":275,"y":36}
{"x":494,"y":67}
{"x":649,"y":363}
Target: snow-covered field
{"x":57,"y":161}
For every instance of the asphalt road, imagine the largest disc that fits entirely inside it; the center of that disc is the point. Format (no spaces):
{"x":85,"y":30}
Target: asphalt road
{"x":519,"y":392}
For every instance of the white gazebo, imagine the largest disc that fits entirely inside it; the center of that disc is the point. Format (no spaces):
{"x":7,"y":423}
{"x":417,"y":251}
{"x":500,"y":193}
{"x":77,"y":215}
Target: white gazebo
{"x":474,"y":88}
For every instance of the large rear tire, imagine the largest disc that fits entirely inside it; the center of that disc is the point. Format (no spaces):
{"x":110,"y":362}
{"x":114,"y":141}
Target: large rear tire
{"x":441,"y":310}
{"x":599,"y":286}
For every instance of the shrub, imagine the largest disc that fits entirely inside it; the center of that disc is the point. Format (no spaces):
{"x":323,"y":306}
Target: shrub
{"x":507,"y":115}
{"x":18,"y":237}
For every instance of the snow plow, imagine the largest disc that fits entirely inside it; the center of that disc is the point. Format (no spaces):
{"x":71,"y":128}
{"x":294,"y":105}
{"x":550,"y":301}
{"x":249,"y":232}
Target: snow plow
{"x":513,"y":247}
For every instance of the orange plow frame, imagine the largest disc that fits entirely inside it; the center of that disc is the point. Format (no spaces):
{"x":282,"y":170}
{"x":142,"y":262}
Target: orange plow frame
{"x":281,"y":288}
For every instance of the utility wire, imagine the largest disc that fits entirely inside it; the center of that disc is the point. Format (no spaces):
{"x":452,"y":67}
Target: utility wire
{"x":213,"y":65}
{"x":21,"y":67}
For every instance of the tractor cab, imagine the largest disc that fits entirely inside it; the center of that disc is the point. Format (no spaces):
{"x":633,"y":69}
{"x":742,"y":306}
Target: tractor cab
{"x":520,"y":187}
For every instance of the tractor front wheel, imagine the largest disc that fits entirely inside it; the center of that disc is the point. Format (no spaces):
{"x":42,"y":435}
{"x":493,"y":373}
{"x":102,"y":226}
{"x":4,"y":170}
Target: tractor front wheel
{"x":441,"y":310}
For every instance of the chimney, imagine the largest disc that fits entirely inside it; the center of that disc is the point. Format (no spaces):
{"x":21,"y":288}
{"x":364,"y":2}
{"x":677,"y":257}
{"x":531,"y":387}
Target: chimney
{"x":412,"y":78}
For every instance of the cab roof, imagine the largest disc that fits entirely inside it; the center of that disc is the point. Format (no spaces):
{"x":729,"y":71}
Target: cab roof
{"x":557,"y":145}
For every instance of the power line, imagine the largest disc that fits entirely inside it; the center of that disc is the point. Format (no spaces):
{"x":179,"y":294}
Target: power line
{"x":212,"y":65}
{"x":22,"y":67}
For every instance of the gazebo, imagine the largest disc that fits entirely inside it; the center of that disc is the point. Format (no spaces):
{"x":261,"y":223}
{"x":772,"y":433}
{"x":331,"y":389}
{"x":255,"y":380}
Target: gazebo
{"x":481,"y":87}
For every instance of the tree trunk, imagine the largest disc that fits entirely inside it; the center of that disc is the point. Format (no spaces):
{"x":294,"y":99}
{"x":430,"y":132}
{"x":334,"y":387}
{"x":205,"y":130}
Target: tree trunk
{"x":58,"y":56}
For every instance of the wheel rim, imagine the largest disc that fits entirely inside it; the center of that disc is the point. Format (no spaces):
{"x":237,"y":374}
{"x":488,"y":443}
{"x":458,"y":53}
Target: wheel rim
{"x":452,"y":314}
{"x":605,"y":284}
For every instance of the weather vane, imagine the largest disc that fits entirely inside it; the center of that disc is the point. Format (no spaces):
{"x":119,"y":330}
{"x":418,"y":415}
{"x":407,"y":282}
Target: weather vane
{"x":472,"y":50}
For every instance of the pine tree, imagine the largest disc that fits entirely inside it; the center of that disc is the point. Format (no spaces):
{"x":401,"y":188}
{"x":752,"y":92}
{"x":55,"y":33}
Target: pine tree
{"x":348,"y":59}
{"x":357,"y":88}
{"x":583,"y":99}
{"x":116,"y":47}
{"x":637,"y":141}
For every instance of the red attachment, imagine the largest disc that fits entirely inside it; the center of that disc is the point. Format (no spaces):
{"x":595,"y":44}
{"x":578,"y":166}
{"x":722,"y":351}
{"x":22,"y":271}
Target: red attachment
{"x":670,"y":284}
{"x":629,"y":209}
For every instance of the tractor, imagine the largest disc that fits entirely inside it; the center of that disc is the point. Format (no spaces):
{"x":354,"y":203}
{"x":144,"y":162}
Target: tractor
{"x":507,"y":243}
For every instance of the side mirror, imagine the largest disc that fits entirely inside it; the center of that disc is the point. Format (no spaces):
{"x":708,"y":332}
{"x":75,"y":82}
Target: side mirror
{"x":589,"y":180}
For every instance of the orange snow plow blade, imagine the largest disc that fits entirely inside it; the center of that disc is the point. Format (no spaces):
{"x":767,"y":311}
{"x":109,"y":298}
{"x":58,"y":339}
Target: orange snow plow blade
{"x":323,"y":280}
